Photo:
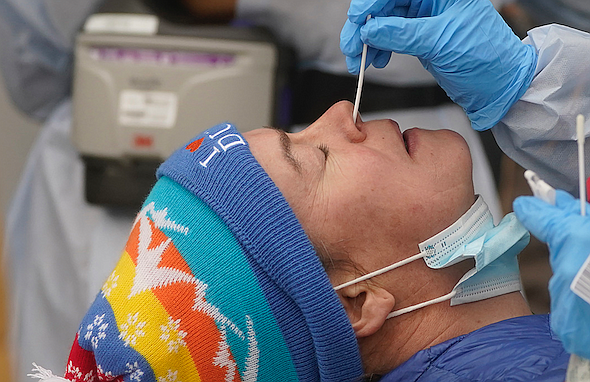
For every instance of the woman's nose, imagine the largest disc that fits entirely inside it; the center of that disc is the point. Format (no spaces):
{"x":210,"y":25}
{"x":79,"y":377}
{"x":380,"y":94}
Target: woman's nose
{"x":339,"y":120}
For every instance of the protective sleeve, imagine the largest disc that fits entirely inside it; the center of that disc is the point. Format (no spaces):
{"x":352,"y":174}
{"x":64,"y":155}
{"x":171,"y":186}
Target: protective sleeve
{"x":312,"y":28}
{"x":539,"y":131}
{"x":36,"y":43}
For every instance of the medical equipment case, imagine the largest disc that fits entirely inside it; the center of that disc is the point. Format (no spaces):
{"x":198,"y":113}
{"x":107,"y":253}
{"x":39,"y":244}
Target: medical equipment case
{"x":144,"y":86}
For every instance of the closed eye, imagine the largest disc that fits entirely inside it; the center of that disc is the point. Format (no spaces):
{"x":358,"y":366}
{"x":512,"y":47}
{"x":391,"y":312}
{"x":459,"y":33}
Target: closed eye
{"x":323,"y":148}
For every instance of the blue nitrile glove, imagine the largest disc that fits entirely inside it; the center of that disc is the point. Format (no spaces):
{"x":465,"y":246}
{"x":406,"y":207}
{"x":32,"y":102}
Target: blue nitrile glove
{"x":465,"y":44}
{"x":568,"y":236}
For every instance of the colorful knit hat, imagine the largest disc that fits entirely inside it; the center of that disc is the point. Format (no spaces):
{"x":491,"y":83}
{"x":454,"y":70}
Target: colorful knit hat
{"x":218,"y":282}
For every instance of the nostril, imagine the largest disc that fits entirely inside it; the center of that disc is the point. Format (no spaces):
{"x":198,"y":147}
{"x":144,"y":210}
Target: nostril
{"x":356,"y":133}
{"x":338,"y":120}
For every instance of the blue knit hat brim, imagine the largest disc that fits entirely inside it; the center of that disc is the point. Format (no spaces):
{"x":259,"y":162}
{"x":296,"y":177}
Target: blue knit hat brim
{"x":218,"y":167}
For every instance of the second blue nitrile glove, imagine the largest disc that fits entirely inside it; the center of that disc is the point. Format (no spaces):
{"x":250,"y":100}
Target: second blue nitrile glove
{"x":568,"y":235}
{"x":465,"y":44}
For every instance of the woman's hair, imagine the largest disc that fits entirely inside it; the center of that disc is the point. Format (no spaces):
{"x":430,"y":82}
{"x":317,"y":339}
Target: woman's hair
{"x":327,"y":259}
{"x":343,"y":263}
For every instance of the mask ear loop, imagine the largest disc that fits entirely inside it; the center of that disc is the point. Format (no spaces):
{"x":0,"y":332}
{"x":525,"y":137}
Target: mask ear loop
{"x":378,"y":272}
{"x":381,"y":271}
{"x":409,"y":309}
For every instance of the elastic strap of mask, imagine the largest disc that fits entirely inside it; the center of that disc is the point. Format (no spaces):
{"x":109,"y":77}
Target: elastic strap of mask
{"x":381,"y":271}
{"x":412,"y":308}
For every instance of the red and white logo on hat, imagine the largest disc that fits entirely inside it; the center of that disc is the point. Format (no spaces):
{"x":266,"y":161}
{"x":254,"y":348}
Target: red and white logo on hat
{"x":223,"y":141}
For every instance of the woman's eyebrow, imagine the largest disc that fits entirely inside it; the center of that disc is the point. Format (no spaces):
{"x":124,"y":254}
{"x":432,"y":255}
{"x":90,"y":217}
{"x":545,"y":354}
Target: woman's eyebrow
{"x":286,"y":149}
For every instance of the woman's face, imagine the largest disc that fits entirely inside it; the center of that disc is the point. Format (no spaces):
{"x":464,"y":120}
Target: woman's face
{"x":364,"y":188}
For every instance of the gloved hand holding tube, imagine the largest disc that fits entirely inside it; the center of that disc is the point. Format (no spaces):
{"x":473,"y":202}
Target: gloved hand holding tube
{"x":568,"y":235}
{"x":465,"y":44}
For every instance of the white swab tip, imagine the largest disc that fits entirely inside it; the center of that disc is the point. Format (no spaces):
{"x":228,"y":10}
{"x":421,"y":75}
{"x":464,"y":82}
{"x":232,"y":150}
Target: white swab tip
{"x":580,"y":128}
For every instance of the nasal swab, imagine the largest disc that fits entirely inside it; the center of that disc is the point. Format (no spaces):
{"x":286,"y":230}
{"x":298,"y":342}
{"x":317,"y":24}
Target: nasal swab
{"x":581,"y":168}
{"x":579,"y":367}
{"x":359,"y":87}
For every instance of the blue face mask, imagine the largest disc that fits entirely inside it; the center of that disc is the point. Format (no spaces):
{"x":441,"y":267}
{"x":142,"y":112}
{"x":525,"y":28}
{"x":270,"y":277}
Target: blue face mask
{"x":472,"y":236}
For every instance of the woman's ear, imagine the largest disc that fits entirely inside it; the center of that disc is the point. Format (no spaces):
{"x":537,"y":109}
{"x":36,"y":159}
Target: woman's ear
{"x":367,"y":307}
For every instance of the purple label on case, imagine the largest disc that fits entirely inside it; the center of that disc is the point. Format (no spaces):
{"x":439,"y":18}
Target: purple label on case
{"x":161,"y":57}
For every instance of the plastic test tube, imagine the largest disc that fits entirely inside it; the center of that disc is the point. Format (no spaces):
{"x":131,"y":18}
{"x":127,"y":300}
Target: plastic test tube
{"x":540,"y":189}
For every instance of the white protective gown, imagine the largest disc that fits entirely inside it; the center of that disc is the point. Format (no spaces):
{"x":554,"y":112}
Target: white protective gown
{"x":60,"y":248}
{"x":539,"y":131}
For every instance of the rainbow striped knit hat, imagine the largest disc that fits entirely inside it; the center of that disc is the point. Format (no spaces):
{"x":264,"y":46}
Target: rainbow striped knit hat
{"x":218,"y":282}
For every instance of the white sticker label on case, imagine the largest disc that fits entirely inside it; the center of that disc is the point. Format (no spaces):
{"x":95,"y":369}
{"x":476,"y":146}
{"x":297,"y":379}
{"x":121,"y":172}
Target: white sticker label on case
{"x":122,"y":23}
{"x":148,"y":109}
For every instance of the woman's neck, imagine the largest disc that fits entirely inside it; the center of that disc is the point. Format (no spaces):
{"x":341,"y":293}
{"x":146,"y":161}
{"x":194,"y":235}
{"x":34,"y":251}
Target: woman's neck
{"x":402,"y":337}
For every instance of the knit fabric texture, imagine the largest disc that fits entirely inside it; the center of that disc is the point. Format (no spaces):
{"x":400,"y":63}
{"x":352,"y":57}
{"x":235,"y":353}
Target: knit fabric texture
{"x":218,"y":282}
